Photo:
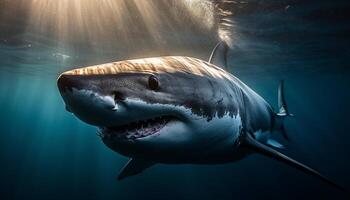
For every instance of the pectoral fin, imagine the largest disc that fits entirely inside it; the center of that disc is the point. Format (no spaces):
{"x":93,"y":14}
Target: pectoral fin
{"x":133,"y":167}
{"x":258,"y":147}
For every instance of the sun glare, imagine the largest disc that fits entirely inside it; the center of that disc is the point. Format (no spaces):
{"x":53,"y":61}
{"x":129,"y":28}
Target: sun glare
{"x":112,"y":18}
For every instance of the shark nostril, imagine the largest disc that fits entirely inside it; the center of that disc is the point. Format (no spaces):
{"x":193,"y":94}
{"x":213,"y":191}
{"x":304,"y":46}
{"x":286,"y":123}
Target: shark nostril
{"x":118,"y":96}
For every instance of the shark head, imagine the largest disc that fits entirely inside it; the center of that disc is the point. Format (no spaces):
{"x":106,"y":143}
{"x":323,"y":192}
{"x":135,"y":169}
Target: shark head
{"x":153,"y":106}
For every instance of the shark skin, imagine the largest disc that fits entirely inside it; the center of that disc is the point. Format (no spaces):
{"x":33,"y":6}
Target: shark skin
{"x":176,"y":110}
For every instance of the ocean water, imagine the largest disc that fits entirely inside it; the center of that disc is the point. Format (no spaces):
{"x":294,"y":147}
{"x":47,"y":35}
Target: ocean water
{"x":47,"y":153}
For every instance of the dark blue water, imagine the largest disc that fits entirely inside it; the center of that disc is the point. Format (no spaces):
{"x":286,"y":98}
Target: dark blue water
{"x":47,"y":153}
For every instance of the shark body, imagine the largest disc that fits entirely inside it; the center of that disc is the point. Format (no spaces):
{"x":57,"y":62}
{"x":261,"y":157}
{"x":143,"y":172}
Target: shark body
{"x":176,"y":110}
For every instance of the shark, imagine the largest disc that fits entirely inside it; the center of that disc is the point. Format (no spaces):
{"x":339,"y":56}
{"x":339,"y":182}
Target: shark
{"x":177,"y":110}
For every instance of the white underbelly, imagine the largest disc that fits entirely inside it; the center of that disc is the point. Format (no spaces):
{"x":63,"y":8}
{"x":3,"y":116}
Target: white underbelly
{"x":217,"y":139}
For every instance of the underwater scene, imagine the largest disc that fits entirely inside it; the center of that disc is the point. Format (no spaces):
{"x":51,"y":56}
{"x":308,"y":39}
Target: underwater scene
{"x":199,"y":122}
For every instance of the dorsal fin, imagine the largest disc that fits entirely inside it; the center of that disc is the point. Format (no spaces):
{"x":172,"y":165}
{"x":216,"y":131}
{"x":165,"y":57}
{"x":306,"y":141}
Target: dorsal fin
{"x":218,"y":56}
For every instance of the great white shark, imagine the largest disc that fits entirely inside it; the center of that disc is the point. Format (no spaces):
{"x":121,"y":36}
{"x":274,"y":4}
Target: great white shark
{"x":176,"y":110}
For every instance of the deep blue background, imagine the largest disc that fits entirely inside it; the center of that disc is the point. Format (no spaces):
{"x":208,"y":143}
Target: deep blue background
{"x":46,"y":153}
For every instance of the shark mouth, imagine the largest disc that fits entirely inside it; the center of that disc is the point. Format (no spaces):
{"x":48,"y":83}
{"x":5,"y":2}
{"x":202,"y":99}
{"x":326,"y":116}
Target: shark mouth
{"x":136,"y":129}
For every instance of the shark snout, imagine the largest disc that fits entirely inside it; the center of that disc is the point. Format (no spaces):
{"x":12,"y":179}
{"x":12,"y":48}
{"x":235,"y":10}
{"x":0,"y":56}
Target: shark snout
{"x":74,"y":87}
{"x":66,"y":82}
{"x":83,"y":99}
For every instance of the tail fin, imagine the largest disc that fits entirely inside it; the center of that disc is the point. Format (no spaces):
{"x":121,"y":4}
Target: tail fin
{"x":282,"y":105}
{"x":282,"y":111}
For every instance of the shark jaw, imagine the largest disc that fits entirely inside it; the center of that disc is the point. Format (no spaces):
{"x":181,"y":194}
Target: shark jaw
{"x":137,"y":129}
{"x":126,"y":122}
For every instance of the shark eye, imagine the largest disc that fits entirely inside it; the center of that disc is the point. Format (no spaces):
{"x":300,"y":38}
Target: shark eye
{"x":153,"y":82}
